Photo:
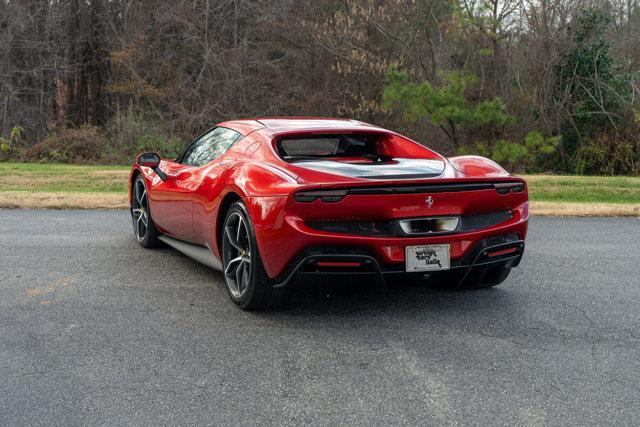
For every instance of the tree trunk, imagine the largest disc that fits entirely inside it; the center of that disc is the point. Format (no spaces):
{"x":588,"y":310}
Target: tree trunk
{"x":97,"y":65}
{"x":72,"y":61}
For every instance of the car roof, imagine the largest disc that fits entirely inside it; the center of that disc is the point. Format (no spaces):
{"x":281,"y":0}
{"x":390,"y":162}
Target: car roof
{"x":291,"y":124}
{"x":244,"y":126}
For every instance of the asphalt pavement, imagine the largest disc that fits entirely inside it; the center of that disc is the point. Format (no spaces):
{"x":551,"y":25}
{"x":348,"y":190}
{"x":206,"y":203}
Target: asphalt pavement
{"x":96,"y":330}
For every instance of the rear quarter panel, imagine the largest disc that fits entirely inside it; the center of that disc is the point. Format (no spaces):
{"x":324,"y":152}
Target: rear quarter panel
{"x":261,"y":187}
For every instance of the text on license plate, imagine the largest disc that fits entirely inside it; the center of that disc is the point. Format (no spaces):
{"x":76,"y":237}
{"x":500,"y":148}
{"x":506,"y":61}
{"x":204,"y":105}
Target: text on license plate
{"x":427,"y":258}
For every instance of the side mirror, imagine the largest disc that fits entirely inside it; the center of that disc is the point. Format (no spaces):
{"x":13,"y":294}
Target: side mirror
{"x":152,"y":160}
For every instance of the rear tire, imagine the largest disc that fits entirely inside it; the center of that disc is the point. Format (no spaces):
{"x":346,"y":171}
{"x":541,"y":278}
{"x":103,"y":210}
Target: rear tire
{"x":143,"y":227}
{"x":248,"y":284}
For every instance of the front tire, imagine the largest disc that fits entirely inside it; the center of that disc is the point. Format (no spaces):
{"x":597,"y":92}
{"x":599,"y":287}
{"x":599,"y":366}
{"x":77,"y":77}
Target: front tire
{"x":248,"y":284}
{"x":143,"y":226}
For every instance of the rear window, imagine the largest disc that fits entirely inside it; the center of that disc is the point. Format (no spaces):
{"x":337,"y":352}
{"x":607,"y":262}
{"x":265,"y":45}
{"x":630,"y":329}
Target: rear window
{"x":326,"y":146}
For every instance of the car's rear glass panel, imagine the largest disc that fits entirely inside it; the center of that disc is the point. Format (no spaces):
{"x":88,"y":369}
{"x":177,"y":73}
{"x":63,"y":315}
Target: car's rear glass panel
{"x":326,"y":146}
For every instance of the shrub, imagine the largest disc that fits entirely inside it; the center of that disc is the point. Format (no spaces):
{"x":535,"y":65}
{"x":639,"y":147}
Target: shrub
{"x":532,"y":155}
{"x":126,"y":135}
{"x":509,"y":154}
{"x":133,"y":130}
{"x":8,"y":146}
{"x":541,"y":150}
{"x":605,"y":156}
{"x":67,"y":145}
{"x":125,"y":128}
{"x":166,"y":147}
{"x":5,"y":149}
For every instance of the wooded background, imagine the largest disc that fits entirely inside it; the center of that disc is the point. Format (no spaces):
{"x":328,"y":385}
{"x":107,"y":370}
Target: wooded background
{"x":539,"y":85}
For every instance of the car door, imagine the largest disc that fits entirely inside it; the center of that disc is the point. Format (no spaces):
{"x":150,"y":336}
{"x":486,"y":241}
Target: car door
{"x":172,"y":200}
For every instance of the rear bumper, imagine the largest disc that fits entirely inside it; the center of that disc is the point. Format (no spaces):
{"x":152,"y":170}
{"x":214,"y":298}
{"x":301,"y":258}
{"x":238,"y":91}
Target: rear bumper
{"x":505,"y":250}
{"x":287,"y":230}
{"x":283,"y":239}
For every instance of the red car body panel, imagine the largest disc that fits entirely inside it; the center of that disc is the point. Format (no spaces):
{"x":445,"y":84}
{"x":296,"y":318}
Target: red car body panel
{"x":187,"y":206}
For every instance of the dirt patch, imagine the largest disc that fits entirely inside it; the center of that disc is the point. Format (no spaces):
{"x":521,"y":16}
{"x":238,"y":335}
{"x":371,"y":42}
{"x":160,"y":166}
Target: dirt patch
{"x":36,"y":292}
{"x":52,"y":200}
{"x":585,"y":209}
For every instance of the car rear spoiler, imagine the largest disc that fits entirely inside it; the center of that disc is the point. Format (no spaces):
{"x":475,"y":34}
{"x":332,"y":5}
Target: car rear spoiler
{"x":338,"y":194}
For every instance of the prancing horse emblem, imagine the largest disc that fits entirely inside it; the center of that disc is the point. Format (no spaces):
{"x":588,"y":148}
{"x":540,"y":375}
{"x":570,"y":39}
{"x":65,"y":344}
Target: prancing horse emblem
{"x":429,"y":201}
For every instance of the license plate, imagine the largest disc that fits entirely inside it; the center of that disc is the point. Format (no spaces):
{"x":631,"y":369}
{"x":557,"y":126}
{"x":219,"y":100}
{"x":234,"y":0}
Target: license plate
{"x":427,"y":258}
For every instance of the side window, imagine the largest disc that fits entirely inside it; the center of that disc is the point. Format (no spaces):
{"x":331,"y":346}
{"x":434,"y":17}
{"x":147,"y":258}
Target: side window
{"x":194,"y":150}
{"x":210,"y":146}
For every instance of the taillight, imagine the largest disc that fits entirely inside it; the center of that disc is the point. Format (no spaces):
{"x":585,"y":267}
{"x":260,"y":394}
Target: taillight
{"x":328,"y":196}
{"x":506,"y":187}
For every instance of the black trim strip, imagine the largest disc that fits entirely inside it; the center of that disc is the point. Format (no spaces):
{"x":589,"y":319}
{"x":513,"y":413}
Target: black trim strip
{"x":392,"y":228}
{"x":429,"y":188}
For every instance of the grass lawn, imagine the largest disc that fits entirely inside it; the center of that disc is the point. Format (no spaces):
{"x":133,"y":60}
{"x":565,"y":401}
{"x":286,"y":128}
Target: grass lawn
{"x":71,"y":186}
{"x":584,"y":189}
{"x":63,"y":178}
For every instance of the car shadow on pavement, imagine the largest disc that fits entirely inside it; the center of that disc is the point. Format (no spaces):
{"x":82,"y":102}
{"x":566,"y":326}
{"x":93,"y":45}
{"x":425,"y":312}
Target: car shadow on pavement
{"x":343,"y":297}
{"x":330,"y":298}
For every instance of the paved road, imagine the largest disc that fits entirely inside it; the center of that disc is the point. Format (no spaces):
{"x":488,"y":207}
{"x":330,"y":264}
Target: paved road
{"x":94,"y":329}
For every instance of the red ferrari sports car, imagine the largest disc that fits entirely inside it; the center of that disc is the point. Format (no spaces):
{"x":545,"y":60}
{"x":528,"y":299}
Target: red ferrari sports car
{"x":265,"y":200}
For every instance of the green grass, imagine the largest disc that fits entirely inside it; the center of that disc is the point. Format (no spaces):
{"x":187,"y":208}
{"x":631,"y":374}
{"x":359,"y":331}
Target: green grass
{"x":113,"y":179}
{"x":63,"y":178}
{"x":584,"y":189}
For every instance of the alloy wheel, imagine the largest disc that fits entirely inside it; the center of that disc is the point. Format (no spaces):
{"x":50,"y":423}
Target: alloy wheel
{"x":237,"y":270}
{"x":140,"y":210}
